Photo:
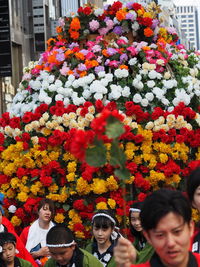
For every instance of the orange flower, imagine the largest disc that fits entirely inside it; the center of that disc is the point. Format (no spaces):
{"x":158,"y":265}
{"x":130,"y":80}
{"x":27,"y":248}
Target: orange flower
{"x":47,"y":69}
{"x":80,"y":56}
{"x":121,"y":14}
{"x":91,"y":63}
{"x":70,"y":72}
{"x":83,"y":73}
{"x":59,"y":29}
{"x":104,"y":52}
{"x":123,"y":67}
{"x":51,"y":41}
{"x":75,"y":24}
{"x":68,"y":53}
{"x":145,"y":48}
{"x":39,"y":67}
{"x":148,"y":32}
{"x":74,"y":35}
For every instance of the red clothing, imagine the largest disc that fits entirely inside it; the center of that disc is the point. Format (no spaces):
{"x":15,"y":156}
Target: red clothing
{"x":147,"y":264}
{"x":23,"y":252}
{"x":24,"y":235}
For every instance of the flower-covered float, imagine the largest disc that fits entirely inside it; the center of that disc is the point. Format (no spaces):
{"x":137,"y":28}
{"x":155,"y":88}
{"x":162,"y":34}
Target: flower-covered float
{"x":120,"y":61}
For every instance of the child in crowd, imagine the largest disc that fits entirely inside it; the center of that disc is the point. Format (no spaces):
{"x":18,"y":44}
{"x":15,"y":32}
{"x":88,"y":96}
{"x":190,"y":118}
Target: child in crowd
{"x":193,"y":191}
{"x":104,"y":237}
{"x":144,"y":249}
{"x":34,"y":236}
{"x":6,"y":226}
{"x":8,"y":251}
{"x":167,"y":225}
{"x":65,"y":252}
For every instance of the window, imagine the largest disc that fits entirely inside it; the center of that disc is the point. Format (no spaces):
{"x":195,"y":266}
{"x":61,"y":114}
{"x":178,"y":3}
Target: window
{"x":183,"y":16}
{"x":184,"y":25}
{"x":191,"y":25}
{"x":190,"y":16}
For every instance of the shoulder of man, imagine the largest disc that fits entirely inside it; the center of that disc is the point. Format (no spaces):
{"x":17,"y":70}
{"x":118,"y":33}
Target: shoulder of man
{"x":89,"y":260}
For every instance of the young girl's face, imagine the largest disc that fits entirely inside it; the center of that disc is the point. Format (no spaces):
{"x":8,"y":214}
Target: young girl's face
{"x":102,"y":235}
{"x":45,"y":213}
{"x":135,"y":221}
{"x":196,"y":198}
{"x":8,"y":253}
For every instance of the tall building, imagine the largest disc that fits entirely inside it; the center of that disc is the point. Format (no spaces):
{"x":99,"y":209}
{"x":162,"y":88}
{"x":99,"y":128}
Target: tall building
{"x":188,"y":13}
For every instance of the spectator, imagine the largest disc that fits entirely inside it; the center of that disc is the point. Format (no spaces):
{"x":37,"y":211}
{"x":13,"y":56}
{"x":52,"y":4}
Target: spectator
{"x":65,"y":252}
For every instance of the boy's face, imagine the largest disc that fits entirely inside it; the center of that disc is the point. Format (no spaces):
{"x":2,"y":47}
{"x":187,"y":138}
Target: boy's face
{"x":45,"y":213}
{"x":62,"y":255}
{"x":171,"y":239}
{"x":8,"y":253}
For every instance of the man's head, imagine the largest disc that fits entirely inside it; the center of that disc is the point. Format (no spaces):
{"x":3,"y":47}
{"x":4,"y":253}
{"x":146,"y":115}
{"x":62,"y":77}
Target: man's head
{"x":193,"y":188}
{"x":167,"y":224}
{"x":61,"y":244}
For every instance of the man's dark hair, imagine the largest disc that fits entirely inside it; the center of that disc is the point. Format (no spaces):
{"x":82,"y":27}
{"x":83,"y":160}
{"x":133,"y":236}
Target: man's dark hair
{"x":59,"y":234}
{"x":162,"y":202}
{"x":102,"y":221}
{"x":49,"y":202}
{"x":193,"y":182}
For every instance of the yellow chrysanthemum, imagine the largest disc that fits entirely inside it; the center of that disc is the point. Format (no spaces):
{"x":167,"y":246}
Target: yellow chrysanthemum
{"x":22,"y":196}
{"x":59,"y":218}
{"x":70,"y":177}
{"x":71,"y":166}
{"x":82,"y":187}
{"x":53,"y":188}
{"x":99,"y":186}
{"x":101,"y":206}
{"x":79,"y":234}
{"x":112,"y":203}
{"x":112,"y":184}
{"x":16,"y":221}
{"x":163,"y":158}
{"x":54,"y":155}
{"x":195,"y":215}
{"x":10,"y":193}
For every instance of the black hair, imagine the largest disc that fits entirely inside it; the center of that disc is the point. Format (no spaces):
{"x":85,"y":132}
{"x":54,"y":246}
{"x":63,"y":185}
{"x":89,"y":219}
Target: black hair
{"x":193,"y":182}
{"x":162,"y":202}
{"x":6,"y":237}
{"x":59,"y":234}
{"x":102,"y":221}
{"x":49,"y":202}
{"x":136,"y":205}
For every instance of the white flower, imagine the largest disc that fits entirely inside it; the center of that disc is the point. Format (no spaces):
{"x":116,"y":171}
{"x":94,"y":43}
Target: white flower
{"x":98,"y":12}
{"x":152,"y":74}
{"x":137,"y":98}
{"x":126,"y":91}
{"x":144,"y":102}
{"x":48,"y":100}
{"x":150,"y":84}
{"x":135,"y":26}
{"x":12,"y":209}
{"x":149,"y":96}
{"x":132,"y":61}
{"x":121,"y":73}
{"x":59,"y":97}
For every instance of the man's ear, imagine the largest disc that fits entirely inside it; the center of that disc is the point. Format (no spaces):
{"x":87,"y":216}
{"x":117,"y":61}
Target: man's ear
{"x":147,"y":236}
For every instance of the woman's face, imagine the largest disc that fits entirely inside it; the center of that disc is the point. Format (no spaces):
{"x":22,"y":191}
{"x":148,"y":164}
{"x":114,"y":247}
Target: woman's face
{"x":135,"y":221}
{"x":45,"y":213}
{"x":196,"y":199}
{"x":102,"y":235}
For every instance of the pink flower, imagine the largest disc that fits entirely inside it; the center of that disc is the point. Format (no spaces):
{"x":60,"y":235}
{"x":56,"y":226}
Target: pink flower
{"x":103,"y":31}
{"x":94,"y":25}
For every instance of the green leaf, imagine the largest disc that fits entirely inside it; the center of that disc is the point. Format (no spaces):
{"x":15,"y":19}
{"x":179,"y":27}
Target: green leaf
{"x":122,"y":174}
{"x":117,"y":156}
{"x":33,"y":178}
{"x":96,"y":155}
{"x":114,"y":127}
{"x":66,"y":207}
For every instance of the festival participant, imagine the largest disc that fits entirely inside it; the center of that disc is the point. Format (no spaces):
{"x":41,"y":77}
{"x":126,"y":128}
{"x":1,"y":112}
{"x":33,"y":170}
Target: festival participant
{"x":8,"y":251}
{"x":104,"y":237}
{"x":65,"y":252}
{"x":34,"y":236}
{"x":168,"y":227}
{"x":144,"y":249}
{"x":193,"y":191}
{"x":6,"y":226}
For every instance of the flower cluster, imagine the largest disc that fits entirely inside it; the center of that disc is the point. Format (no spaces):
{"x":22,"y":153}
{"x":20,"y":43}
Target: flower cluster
{"x":161,"y":149}
{"x":131,"y":69}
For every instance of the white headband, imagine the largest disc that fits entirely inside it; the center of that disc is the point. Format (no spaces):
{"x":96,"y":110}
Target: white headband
{"x":104,"y":215}
{"x":61,"y":245}
{"x":133,"y":209}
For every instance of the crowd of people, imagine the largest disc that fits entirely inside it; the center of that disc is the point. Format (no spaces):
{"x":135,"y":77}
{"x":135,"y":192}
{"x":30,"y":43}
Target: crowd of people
{"x":162,"y":226}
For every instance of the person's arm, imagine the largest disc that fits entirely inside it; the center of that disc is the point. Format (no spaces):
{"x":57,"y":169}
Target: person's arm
{"x":42,"y":252}
{"x":124,"y":253}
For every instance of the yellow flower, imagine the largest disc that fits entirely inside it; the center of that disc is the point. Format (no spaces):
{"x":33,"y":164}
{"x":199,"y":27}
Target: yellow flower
{"x":59,"y":218}
{"x":71,"y":166}
{"x":101,"y":206}
{"x":53,"y":188}
{"x":112,"y":184}
{"x":35,"y":188}
{"x":79,"y":234}
{"x":10,"y":193}
{"x":54,"y":155}
{"x":14,"y":182}
{"x":46,"y":131}
{"x":111,"y":203}
{"x":70,"y":177}
{"x":99,"y":186}
{"x":16,"y":221}
{"x":67,"y":156}
{"x":195,"y":215}
{"x":129,"y":154}
{"x":22,"y":196}
{"x":82,"y":187}
{"x":163,"y":158}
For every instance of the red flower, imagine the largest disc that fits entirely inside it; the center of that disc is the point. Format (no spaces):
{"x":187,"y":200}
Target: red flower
{"x":1,"y":139}
{"x":42,"y":108}
{"x":26,"y":137}
{"x":21,"y":172}
{"x":100,"y":199}
{"x":157,"y":113}
{"x":79,"y":204}
{"x":20,"y":213}
{"x":87,"y":10}
{"x":83,"y":112}
{"x":4,"y":179}
{"x":27,"y":117}
{"x":15,"y":123}
{"x":140,"y":182}
{"x":132,"y":167}
{"x":116,"y":6}
{"x":136,"y":6}
{"x":46,"y":180}
{"x":142,"y":196}
{"x":78,"y":227}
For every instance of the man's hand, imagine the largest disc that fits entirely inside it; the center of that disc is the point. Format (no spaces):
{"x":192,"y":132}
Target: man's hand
{"x":43,"y":252}
{"x":124,"y":253}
